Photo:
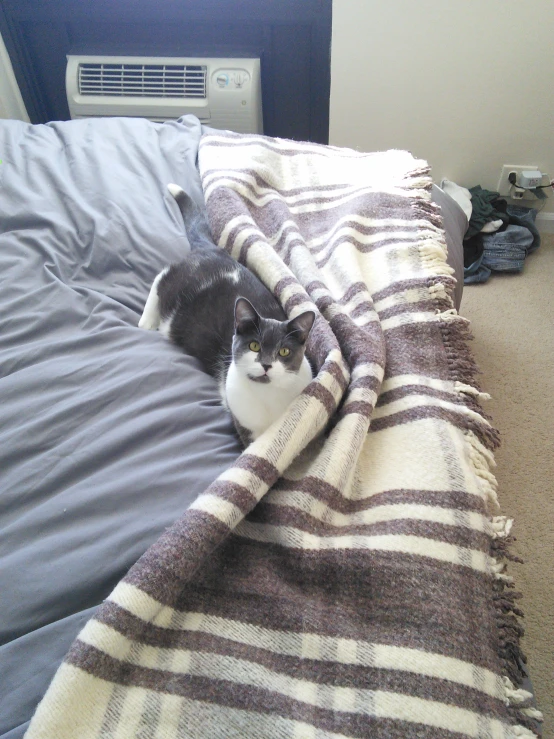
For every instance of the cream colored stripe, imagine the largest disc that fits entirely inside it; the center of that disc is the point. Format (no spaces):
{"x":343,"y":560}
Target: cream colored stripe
{"x":425,"y":401}
{"x":231,"y":225}
{"x":245,"y":672}
{"x":389,"y":241}
{"x":288,"y":536}
{"x":404,"y":297}
{"x":244,"y":177}
{"x":406,"y":319}
{"x":225,"y":511}
{"x":318,"y":509}
{"x":279,"y":145}
{"x":361,"y":394}
{"x":399,"y":238}
{"x":264,"y":262}
{"x":74,"y":706}
{"x":243,"y":477}
{"x":331,"y":649}
{"x":401,"y":162}
{"x":364,"y":222}
{"x":368,"y":369}
{"x":391,"y":383}
{"x":336,"y":310}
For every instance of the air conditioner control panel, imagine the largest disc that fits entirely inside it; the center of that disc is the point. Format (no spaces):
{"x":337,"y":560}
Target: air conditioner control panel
{"x":231,"y":79}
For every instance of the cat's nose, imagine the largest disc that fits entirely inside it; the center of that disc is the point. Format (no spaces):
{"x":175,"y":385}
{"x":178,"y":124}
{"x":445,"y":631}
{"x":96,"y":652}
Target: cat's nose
{"x":267,"y":366}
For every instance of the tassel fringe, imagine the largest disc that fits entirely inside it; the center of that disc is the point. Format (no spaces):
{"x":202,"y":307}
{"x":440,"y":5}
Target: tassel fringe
{"x":482,"y":440}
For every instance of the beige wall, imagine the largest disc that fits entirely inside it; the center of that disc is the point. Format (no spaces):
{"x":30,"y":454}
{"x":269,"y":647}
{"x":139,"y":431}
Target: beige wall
{"x":11,"y":102}
{"x":466,"y":84}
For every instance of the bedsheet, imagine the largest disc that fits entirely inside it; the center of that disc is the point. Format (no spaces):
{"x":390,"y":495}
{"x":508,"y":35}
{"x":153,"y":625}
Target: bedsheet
{"x":107,"y":432}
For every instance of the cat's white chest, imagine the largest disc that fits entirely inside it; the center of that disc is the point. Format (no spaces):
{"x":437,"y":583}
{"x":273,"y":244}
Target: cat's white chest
{"x":256,"y":405}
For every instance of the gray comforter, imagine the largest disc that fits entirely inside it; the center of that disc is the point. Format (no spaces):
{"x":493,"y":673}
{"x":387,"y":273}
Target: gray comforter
{"x":107,"y":432}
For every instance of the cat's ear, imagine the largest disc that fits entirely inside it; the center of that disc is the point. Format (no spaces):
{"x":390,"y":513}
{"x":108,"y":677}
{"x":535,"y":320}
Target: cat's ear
{"x":246,"y":316}
{"x":301,"y":326}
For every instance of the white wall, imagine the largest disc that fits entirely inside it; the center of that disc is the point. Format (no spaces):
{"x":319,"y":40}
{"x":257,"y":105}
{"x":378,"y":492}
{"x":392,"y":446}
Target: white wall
{"x":11,"y":102}
{"x":467,"y":85}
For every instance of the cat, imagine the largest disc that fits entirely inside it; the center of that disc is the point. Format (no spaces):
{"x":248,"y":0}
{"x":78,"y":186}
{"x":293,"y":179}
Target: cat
{"x":219,"y":312}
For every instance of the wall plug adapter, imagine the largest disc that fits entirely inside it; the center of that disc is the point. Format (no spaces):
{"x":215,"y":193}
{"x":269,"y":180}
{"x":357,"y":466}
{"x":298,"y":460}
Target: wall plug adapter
{"x":530,"y":179}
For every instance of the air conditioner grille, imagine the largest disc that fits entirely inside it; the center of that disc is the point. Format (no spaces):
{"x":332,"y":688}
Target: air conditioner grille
{"x":143,"y":80}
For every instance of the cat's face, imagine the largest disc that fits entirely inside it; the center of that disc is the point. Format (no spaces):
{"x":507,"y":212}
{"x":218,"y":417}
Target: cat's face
{"x":269,"y":351}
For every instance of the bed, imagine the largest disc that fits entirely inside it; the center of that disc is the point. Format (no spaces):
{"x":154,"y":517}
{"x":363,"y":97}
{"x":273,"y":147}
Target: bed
{"x":345,"y":576}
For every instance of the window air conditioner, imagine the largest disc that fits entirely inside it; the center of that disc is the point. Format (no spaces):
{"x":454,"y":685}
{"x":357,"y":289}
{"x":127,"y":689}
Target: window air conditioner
{"x":222,"y":93}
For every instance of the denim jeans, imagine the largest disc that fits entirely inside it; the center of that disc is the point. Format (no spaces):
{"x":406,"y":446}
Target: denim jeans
{"x":505,"y":251}
{"x":521,"y":216}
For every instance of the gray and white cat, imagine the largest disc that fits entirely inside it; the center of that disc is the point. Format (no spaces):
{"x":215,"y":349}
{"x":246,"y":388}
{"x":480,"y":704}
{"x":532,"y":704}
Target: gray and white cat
{"x":219,"y":312}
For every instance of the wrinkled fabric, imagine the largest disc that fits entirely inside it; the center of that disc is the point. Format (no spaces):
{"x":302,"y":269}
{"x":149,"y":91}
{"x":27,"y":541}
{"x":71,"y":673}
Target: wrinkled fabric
{"x":521,"y":216}
{"x":484,"y":209}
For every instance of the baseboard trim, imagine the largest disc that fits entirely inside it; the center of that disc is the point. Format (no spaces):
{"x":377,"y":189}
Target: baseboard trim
{"x":545,"y":223}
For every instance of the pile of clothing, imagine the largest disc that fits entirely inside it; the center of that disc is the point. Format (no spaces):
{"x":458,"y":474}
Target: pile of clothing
{"x":499,"y":236}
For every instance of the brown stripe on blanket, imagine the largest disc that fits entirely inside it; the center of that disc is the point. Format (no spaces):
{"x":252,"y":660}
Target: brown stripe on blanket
{"x":359,"y":345}
{"x":353,"y":291}
{"x":381,"y":236}
{"x":299,"y":582}
{"x":364,"y":676}
{"x":451,"y":533}
{"x":283,"y":284}
{"x":315,"y":390}
{"x":234,"y":493}
{"x":485,"y":433}
{"x":261,"y":182}
{"x":177,"y":554}
{"x":247,"y":698}
{"x":357,"y":407}
{"x":404,"y":391}
{"x":408,"y":353}
{"x":329,"y":494}
{"x":323,"y":261}
{"x":362,"y":309}
{"x":260,"y":467}
{"x":282,"y":148}
{"x":368,"y":382}
{"x":294,"y":301}
{"x":337,"y":372}
{"x":399,"y":287}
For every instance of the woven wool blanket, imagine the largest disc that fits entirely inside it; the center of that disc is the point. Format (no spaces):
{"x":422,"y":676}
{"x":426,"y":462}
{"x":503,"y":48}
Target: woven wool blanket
{"x":346,"y":576}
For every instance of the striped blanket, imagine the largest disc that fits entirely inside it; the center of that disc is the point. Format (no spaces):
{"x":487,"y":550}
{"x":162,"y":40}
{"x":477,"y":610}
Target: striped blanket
{"x":346,"y":577}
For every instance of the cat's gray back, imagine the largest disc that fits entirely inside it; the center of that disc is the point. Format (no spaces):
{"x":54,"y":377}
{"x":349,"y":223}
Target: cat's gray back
{"x":197,"y":301}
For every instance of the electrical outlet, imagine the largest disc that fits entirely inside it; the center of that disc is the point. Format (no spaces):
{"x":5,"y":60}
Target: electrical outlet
{"x":504,"y":185}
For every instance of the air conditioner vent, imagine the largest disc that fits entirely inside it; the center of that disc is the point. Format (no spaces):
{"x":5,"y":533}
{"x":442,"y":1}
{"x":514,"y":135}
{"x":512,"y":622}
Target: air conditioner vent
{"x":142,"y":80}
{"x":223,"y":92}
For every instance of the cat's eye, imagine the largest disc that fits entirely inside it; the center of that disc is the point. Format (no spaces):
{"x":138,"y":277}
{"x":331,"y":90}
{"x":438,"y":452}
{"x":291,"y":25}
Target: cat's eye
{"x":254,"y":346}
{"x":284,"y":352}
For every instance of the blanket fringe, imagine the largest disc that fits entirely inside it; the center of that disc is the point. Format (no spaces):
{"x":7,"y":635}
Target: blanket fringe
{"x":481,"y":443}
{"x":522,"y":731}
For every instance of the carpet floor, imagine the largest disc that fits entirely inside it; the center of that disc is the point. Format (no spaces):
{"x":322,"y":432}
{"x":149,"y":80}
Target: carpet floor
{"x":512,"y":318}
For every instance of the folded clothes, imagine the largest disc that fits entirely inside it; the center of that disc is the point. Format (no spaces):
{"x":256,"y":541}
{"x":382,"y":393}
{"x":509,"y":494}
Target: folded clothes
{"x":504,"y":250}
{"x":521,"y":216}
